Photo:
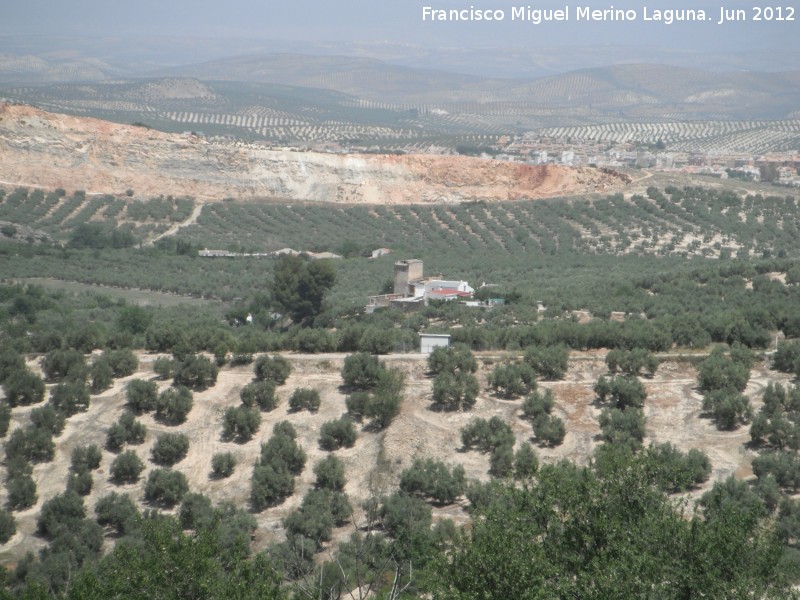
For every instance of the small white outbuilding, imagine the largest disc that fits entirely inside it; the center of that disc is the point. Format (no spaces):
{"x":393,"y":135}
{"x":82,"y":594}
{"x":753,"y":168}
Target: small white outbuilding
{"x":428,"y":342}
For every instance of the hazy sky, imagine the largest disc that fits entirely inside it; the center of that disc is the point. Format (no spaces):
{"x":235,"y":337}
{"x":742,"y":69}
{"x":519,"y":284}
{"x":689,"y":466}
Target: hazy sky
{"x":396,"y":21}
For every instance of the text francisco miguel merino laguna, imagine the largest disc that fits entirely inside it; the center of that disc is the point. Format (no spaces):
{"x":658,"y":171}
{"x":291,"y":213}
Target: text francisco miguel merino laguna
{"x":585,"y":13}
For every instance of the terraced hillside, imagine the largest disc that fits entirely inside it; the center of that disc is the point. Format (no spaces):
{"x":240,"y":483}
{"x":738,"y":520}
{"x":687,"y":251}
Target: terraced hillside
{"x":682,"y":222}
{"x":687,"y":221}
{"x":57,"y":214}
{"x":751,"y":137}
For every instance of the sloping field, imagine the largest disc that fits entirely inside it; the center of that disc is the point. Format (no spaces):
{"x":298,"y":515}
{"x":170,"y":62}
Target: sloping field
{"x":373,"y":465}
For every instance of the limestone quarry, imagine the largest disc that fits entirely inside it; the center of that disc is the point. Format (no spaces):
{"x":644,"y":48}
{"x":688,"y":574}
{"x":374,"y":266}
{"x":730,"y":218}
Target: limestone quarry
{"x":49,"y":150}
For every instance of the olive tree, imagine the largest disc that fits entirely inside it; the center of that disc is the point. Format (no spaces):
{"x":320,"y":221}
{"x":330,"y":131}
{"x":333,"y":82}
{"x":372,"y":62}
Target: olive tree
{"x":173,"y":405}
{"x":337,"y":434}
{"x":223,"y":464}
{"x":126,"y":467}
{"x":165,"y":487}
{"x":170,"y":448}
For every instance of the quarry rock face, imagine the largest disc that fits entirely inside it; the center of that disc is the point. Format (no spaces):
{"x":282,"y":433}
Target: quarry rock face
{"x":52,"y":150}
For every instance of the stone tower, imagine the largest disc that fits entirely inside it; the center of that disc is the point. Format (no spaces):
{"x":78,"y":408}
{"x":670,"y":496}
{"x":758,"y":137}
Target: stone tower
{"x":405,"y":272}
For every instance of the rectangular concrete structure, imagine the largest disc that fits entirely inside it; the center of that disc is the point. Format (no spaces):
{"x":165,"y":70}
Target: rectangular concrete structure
{"x":428,"y":342}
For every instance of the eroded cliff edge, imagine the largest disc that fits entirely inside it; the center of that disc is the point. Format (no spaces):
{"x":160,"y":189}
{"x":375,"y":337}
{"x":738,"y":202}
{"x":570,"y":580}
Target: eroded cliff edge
{"x":38,"y":148}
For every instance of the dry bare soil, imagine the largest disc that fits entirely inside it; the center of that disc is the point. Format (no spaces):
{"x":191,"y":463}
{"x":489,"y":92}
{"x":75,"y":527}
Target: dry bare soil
{"x":373,"y":465}
{"x":50,"y":150}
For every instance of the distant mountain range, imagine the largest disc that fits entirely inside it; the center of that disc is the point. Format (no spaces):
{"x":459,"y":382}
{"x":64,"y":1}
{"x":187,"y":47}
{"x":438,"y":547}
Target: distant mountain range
{"x":645,"y":89}
{"x":69,"y":58}
{"x":295,"y":98}
{"x":630,"y":91}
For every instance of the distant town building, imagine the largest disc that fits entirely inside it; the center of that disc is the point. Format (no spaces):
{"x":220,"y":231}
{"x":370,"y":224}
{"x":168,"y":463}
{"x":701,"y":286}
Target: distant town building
{"x":413,"y":290}
{"x":206,"y":253}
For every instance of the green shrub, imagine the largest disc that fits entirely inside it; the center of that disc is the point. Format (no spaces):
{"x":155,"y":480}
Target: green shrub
{"x":623,"y":427}
{"x":127,"y":430}
{"x":431,"y":480}
{"x":526,"y":463}
{"x":5,"y":418}
{"x":270,"y":484}
{"x":61,"y":511}
{"x":512,"y":380}
{"x":674,"y":471}
{"x":32,"y":444}
{"x":117,"y":511}
{"x":719,"y":372}
{"x":116,"y":437}
{"x":340,"y":433}
{"x":8,"y":526}
{"x":165,"y":487}
{"x":304,"y":399}
{"x":223,"y":464}
{"x":775,"y":423}
{"x":101,"y":375}
{"x":141,"y":395}
{"x":21,"y":491}
{"x":538,"y":404}
{"x":85,"y":458}
{"x":164,"y":367}
{"x":23,"y":388}
{"x":457,"y":357}
{"x":787,"y":357}
{"x":196,"y":372}
{"x":376,"y":340}
{"x":123,"y":362}
{"x":330,"y":474}
{"x":282,"y":448}
{"x":313,"y":341}
{"x":728,"y":407}
{"x":549,"y":430}
{"x":357,"y":403}
{"x":261,"y":394}
{"x":173,"y":405}
{"x":196,"y":511}
{"x":550,"y":362}
{"x":320,"y":511}
{"x":10,"y":362}
{"x":135,"y":431}
{"x":274,"y":368}
{"x":361,"y":371}
{"x":240,"y":423}
{"x":487,"y":435}
{"x":126,"y":467}
{"x":64,"y":364}
{"x":70,"y":397}
{"x":631,"y":362}
{"x":455,"y":391}
{"x":384,"y":403}
{"x":313,"y":521}
{"x":170,"y":448}
{"x":783,"y":466}
{"x":80,"y":483}
{"x":48,"y":419}
{"x":241,"y":358}
{"x":622,"y":391}
{"x":403,"y":516}
{"x":501,"y":461}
